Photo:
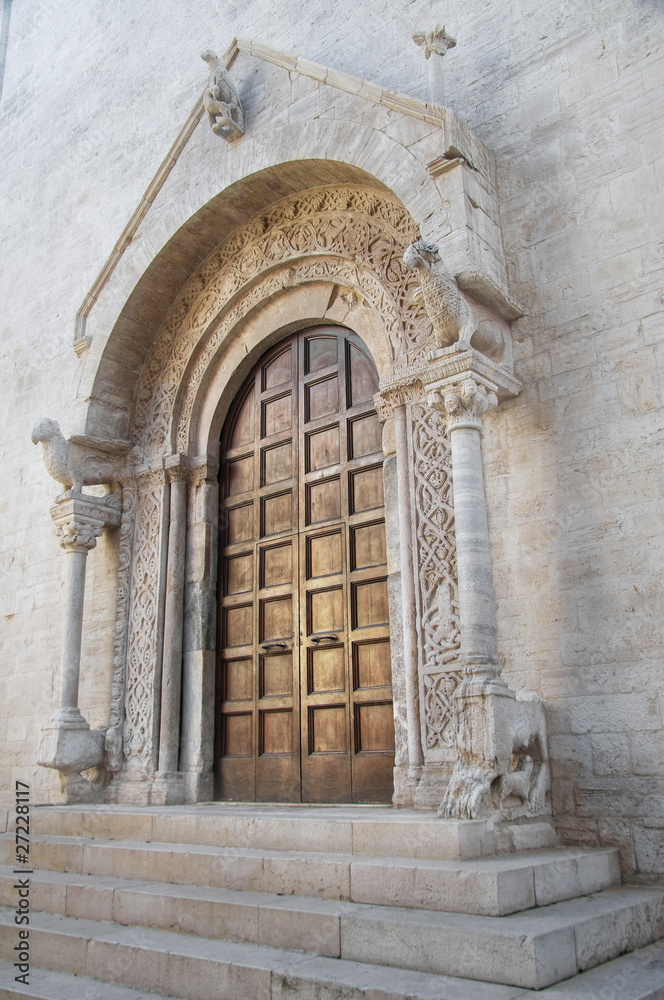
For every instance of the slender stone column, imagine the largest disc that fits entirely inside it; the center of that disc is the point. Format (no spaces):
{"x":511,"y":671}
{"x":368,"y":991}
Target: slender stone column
{"x":464,"y":407}
{"x":415,"y":755}
{"x":79,"y":522}
{"x":169,"y":783}
{"x":67,"y":743}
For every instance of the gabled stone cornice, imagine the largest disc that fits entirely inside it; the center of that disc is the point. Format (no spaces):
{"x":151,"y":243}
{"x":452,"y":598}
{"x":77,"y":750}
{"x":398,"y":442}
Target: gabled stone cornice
{"x":458,"y":144}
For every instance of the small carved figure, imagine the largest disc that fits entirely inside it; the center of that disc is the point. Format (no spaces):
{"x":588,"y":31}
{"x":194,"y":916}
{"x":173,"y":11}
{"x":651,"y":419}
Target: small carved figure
{"x":221,"y":100}
{"x":76,"y":464}
{"x":450,"y":314}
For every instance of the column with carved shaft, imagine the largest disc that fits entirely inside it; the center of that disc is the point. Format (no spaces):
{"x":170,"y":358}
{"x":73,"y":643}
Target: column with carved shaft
{"x":67,"y":743}
{"x":169,"y":783}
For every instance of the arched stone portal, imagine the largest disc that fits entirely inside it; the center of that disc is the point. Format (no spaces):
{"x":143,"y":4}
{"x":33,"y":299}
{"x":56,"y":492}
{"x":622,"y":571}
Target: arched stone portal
{"x":330,"y":255}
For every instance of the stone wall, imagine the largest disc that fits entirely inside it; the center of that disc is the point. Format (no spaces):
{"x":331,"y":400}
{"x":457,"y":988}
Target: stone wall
{"x":570,"y":98}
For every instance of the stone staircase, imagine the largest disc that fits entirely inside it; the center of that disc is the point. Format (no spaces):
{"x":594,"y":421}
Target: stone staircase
{"x":321,"y":903}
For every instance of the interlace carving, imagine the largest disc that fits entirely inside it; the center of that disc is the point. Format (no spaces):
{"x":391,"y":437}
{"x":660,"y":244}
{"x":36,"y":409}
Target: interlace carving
{"x":114,"y":734}
{"x":143,"y":622}
{"x":439,"y":710}
{"x":368,"y":230}
{"x":437,"y":575}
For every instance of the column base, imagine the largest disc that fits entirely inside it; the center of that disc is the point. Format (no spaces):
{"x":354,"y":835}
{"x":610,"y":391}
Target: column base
{"x":503,"y":768}
{"x":432,"y":786}
{"x":168,"y":788}
{"x":71,"y":747}
{"x":406,"y":780}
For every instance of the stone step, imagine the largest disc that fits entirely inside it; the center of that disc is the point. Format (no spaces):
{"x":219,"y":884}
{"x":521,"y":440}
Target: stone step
{"x":487,"y":886}
{"x":48,"y":985}
{"x":638,"y":976}
{"x":361,"y":830}
{"x":531,"y":950}
{"x":199,"y":969}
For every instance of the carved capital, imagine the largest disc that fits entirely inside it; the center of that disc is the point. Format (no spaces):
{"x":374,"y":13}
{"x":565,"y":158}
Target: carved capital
{"x":176,"y":468}
{"x":80,"y":520}
{"x":436,"y":42}
{"x":463,"y":405}
{"x":395,"y":394}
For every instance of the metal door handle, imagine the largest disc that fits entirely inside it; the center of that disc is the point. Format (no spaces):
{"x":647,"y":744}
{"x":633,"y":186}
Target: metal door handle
{"x":274,"y":645}
{"x":322,"y":638}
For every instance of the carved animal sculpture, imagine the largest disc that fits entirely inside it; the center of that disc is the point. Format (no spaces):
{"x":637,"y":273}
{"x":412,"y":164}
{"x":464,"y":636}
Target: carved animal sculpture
{"x":484,"y":778}
{"x":221,"y":100}
{"x":515,"y":784}
{"x":77,"y":465}
{"x":450,"y":314}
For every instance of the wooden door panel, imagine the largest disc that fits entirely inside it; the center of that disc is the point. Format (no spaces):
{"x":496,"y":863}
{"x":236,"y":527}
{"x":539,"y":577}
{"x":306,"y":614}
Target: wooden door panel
{"x":370,"y":604}
{"x":239,"y":523}
{"x":304,"y":682}
{"x":323,"y":501}
{"x":366,"y":489}
{"x":240,"y":573}
{"x":323,"y":448}
{"x":277,"y":514}
{"x":277,"y":565}
{"x":371,"y":664}
{"x":238,"y":680}
{"x":276,"y":675}
{"x":327,"y":670}
{"x":368,"y":545}
{"x":366,"y":436}
{"x":278,"y":370}
{"x":324,"y":555}
{"x":277,"y":415}
{"x":322,"y":398}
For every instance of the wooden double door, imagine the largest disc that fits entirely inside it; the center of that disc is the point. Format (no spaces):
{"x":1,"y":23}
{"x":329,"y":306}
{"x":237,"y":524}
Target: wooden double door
{"x":304,"y":697}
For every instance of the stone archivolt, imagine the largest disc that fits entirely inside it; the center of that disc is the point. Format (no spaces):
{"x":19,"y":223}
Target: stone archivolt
{"x":366,"y":232}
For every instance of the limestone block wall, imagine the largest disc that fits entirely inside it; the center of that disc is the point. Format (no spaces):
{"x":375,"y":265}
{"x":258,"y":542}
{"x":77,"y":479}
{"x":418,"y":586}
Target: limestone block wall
{"x":570,"y":98}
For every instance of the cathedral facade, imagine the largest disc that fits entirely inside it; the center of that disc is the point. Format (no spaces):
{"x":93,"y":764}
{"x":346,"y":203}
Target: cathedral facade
{"x":341,"y":348}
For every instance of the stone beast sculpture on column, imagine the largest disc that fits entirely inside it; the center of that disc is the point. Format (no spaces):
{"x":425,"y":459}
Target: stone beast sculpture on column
{"x":78,"y":463}
{"x":450,"y":314}
{"x":67,"y":743}
{"x":221,"y":100}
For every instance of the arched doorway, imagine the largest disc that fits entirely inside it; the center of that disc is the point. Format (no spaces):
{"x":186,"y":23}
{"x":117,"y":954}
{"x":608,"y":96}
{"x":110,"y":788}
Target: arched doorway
{"x":304,"y":697}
